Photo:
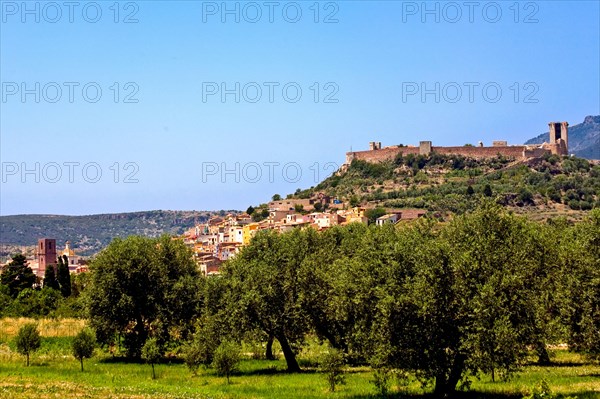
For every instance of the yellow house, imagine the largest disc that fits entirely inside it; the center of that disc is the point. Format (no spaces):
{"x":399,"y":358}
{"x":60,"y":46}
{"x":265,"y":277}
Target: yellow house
{"x":248,"y":232}
{"x":357,"y":215}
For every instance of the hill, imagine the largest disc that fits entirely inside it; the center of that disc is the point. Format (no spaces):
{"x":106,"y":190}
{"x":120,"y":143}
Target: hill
{"x":89,"y":234}
{"x":444,"y":184}
{"x":584,"y":138}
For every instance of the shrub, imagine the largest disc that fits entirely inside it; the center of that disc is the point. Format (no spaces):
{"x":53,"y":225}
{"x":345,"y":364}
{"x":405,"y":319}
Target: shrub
{"x":525,"y":196}
{"x":487,"y":190}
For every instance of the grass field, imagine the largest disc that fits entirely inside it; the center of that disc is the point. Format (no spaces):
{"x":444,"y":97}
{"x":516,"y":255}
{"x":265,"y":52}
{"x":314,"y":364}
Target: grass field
{"x":54,"y":373}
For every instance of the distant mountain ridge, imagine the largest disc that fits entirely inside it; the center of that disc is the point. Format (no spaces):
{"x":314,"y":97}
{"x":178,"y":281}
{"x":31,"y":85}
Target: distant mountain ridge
{"x":88,"y":234}
{"x":584,"y":138}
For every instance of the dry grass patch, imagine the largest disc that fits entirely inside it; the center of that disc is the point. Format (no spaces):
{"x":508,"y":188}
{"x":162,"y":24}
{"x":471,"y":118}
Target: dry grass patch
{"x":9,"y":327}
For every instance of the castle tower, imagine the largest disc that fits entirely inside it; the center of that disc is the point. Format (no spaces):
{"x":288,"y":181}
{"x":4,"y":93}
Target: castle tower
{"x":559,"y":135}
{"x":374,"y":145}
{"x":46,"y":254}
{"x":424,"y":147}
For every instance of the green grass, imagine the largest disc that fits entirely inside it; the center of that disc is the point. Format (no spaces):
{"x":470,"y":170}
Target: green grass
{"x":54,"y":373}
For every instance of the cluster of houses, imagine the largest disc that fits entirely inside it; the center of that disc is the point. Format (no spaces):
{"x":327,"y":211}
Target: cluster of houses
{"x":221,"y":238}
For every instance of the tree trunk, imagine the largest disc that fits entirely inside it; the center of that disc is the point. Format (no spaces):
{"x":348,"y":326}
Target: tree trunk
{"x":27,"y":359}
{"x":288,"y":353}
{"x":81,"y":360}
{"x":153,"y":374}
{"x":269,"y":352}
{"x":456,"y":373}
{"x":543,"y":355}
{"x":441,"y":383}
{"x":445,"y":385}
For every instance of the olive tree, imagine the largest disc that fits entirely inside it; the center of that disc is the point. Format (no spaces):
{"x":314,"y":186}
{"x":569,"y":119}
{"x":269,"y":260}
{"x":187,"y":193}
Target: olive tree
{"x":580,"y":260}
{"x":152,"y":352}
{"x":226,"y":359}
{"x":83,"y":345}
{"x":28,"y":340}
{"x":461,"y":301}
{"x":140,"y":284}
{"x":266,"y":294}
{"x":332,"y":365}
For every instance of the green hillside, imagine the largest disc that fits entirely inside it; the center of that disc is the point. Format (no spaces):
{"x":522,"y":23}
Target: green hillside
{"x":455,"y":184}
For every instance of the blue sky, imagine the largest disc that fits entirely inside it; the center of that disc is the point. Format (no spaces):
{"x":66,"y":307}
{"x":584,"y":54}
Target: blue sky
{"x":130,"y":115}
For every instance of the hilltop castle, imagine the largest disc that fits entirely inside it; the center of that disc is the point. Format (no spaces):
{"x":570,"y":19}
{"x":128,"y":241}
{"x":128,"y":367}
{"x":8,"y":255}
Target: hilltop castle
{"x":559,"y":144}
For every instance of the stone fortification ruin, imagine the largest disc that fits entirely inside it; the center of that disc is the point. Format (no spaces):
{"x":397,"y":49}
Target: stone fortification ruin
{"x":559,"y":145}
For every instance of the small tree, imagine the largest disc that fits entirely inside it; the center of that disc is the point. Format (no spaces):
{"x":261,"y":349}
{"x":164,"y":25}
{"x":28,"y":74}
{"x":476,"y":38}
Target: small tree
{"x":227,"y":358}
{"x":83,"y":345}
{"x":192,"y":356}
{"x":151,"y":353}
{"x":28,"y":340}
{"x":276,"y":197}
{"x":332,"y":364}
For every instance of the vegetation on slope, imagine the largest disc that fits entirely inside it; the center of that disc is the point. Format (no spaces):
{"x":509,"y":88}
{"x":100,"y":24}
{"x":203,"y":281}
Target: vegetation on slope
{"x":453,"y":183}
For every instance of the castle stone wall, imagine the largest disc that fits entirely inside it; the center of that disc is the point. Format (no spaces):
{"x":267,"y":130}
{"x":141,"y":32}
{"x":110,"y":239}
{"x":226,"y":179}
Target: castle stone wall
{"x":559,"y":144}
{"x":515,"y":151}
{"x":390,"y":153}
{"x":385,"y":154}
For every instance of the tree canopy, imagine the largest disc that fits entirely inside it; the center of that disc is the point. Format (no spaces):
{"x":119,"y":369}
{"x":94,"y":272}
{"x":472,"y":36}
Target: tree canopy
{"x":17,"y":276}
{"x":140,"y":285}
{"x":444,"y":301}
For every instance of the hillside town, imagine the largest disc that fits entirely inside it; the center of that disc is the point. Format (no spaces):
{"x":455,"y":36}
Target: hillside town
{"x":221,"y":238}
